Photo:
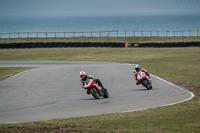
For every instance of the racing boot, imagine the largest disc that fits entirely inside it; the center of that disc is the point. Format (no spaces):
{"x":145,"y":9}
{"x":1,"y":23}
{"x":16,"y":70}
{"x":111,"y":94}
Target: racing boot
{"x":137,"y":83}
{"x":88,"y":92}
{"x":100,"y":93}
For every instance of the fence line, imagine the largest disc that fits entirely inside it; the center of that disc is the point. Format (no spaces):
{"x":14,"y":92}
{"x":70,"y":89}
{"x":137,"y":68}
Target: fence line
{"x":115,"y":33}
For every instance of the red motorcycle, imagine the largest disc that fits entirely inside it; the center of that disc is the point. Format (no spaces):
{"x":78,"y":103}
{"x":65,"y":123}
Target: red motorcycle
{"x":143,"y":78}
{"x":95,"y":89}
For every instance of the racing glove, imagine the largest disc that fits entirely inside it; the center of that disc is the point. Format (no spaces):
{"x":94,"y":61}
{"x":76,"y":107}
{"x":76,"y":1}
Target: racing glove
{"x":147,"y":73}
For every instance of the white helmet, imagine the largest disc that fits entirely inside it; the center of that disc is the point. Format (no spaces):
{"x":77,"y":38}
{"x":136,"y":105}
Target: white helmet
{"x":82,"y":74}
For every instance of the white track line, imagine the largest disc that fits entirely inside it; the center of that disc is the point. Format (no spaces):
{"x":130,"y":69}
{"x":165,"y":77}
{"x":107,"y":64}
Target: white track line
{"x":192,"y":95}
{"x":8,"y":122}
{"x":21,"y":72}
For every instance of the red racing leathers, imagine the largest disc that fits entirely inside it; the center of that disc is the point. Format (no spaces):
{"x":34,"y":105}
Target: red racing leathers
{"x":136,"y":72}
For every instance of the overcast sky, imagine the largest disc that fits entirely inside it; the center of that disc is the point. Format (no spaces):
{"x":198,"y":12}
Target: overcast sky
{"x":99,"y":7}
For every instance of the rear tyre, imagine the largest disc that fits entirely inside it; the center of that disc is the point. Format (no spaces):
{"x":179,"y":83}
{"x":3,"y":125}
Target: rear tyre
{"x":151,"y":86}
{"x":106,"y":94}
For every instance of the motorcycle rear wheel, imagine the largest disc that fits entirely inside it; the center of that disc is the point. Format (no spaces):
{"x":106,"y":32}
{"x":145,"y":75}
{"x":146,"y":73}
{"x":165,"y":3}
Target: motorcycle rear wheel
{"x":151,"y":86}
{"x":106,"y":94}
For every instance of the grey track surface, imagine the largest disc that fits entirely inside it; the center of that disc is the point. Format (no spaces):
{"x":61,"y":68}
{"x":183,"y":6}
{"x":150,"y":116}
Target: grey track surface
{"x":53,"y":91}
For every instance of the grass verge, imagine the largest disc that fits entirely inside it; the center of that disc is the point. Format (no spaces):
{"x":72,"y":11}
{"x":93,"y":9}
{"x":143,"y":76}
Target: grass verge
{"x":103,"y":39}
{"x":179,"y":65}
{"x":6,"y":72}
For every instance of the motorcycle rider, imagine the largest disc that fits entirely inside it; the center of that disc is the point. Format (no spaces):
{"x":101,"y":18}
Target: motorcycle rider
{"x":137,"y":70}
{"x":85,"y":77}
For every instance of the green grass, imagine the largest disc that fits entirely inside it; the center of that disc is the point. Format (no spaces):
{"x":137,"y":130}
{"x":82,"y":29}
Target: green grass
{"x":6,"y":72}
{"x":179,"y":65}
{"x":103,"y":39}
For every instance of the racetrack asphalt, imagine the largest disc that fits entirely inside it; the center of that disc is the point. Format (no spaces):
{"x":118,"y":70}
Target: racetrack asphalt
{"x":53,"y":90}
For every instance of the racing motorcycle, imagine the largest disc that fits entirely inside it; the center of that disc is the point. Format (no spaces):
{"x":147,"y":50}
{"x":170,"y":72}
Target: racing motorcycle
{"x":143,"y":78}
{"x":95,"y":89}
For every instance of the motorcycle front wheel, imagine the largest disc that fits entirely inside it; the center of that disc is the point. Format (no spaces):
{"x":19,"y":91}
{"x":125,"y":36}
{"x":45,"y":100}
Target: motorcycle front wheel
{"x":94,"y":93}
{"x":146,"y":84}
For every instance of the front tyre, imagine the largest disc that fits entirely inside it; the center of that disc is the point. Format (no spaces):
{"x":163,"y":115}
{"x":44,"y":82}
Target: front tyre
{"x":146,"y":84}
{"x":94,"y":93}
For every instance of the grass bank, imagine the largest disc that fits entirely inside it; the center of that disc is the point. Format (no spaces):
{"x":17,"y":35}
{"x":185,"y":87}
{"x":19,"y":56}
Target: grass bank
{"x":6,"y":72}
{"x":103,"y":39}
{"x":179,"y":65}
